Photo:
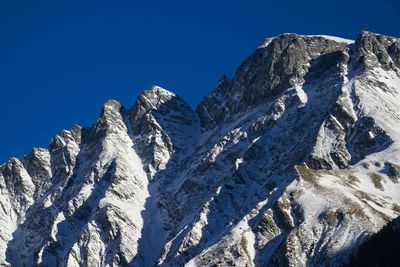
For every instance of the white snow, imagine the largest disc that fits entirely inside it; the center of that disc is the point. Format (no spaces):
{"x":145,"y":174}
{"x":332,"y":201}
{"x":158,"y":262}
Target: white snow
{"x":334,"y":38}
{"x":268,"y":40}
{"x":302,"y":95}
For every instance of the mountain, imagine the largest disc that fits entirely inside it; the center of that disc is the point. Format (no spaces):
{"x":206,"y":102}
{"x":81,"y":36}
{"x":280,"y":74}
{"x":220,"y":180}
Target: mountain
{"x":292,"y":162}
{"x":381,"y":249}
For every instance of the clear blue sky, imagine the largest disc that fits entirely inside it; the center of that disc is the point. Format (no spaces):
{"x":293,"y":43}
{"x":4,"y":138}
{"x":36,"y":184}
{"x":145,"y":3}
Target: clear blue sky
{"x":61,"y":60}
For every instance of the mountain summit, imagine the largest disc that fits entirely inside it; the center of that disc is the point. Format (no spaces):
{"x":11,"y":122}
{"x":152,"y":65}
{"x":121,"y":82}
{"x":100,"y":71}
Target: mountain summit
{"x":294,"y":161}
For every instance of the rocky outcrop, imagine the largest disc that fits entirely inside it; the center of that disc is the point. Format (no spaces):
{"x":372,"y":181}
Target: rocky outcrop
{"x":273,"y":68}
{"x":163,"y":124}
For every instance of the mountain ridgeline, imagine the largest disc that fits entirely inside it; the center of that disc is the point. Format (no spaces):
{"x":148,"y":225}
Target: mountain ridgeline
{"x":294,"y":161}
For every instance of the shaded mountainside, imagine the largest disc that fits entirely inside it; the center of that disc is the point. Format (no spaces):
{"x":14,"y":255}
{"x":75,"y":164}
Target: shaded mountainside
{"x":292,"y":162}
{"x":381,"y":249}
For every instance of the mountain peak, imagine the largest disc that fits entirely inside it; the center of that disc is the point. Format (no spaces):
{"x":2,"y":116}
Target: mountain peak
{"x":295,"y":164}
{"x":281,"y":63}
{"x":374,"y":50}
{"x":160,"y":90}
{"x":268,"y":40}
{"x":153,"y":98}
{"x":111,"y":107}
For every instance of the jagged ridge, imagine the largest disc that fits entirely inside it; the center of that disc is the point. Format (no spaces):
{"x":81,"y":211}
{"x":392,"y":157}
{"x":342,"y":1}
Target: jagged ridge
{"x":293,"y":161}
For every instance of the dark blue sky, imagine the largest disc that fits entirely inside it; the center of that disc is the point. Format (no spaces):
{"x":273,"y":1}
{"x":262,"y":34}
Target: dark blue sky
{"x":61,"y":60}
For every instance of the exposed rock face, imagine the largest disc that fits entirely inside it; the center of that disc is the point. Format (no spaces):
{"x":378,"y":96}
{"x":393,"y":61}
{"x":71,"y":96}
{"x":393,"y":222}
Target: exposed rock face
{"x":294,"y":161}
{"x":163,"y":124}
{"x":271,"y":70}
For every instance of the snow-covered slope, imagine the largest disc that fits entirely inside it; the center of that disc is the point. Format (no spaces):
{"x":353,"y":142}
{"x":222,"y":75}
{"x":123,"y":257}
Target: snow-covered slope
{"x":294,"y":161}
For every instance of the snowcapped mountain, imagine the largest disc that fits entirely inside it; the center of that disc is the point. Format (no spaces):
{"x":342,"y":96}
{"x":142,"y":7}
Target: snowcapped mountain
{"x":294,"y":161}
